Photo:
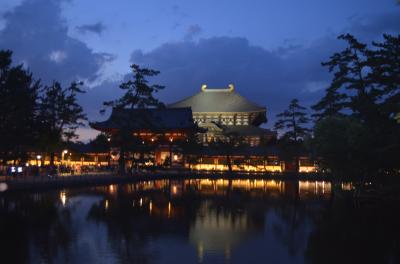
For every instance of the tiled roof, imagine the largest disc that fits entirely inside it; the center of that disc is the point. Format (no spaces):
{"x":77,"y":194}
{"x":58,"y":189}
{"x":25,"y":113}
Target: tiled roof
{"x":154,"y":119}
{"x":218,"y":100}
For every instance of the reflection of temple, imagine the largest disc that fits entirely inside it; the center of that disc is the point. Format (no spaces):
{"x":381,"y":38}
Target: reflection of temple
{"x":220,"y":187}
{"x":220,"y":232}
{"x":218,"y":109}
{"x":218,"y":219}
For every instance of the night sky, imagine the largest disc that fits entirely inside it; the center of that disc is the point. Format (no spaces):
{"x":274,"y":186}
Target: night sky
{"x":270,"y":49}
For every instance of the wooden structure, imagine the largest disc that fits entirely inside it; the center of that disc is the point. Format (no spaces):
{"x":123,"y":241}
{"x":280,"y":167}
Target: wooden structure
{"x":162,"y":129}
{"x":223,"y":111}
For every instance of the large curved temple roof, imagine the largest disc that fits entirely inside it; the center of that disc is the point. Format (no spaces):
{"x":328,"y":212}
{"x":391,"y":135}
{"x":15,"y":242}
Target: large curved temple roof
{"x":152,"y":119}
{"x":218,"y":100}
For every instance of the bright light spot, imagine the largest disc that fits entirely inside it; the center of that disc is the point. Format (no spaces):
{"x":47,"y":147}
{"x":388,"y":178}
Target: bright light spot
{"x":141,"y":202}
{"x":63,"y":198}
{"x":175,"y":157}
{"x":106,"y":204}
{"x":3,"y":187}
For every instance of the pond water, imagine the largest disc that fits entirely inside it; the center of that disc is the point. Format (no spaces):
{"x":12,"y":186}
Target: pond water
{"x":199,"y":221}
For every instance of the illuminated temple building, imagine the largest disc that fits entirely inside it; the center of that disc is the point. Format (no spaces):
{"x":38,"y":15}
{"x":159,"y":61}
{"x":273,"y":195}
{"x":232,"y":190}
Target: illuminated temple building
{"x":211,"y":115}
{"x":160,"y":130}
{"x":222,"y":111}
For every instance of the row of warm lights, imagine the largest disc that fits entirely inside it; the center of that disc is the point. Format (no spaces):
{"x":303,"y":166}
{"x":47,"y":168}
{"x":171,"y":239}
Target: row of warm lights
{"x":152,"y":139}
{"x":39,"y":158}
{"x":249,"y":168}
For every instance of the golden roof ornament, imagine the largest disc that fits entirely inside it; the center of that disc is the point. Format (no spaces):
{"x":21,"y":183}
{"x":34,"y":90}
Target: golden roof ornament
{"x":230,"y":89}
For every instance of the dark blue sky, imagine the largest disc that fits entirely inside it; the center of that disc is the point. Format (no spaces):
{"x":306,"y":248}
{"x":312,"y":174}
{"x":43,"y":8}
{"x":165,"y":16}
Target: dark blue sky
{"x":270,"y":49}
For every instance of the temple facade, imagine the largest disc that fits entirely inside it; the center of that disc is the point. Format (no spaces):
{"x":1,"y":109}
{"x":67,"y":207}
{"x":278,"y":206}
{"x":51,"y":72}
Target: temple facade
{"x":224,"y":111}
{"x":157,"y":133}
{"x":212,"y":114}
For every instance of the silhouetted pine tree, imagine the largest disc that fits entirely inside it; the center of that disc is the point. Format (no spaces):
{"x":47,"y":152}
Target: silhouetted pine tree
{"x":365,"y":91}
{"x":292,"y":123}
{"x":18,"y":107}
{"x":138,"y":94}
{"x":59,"y":116}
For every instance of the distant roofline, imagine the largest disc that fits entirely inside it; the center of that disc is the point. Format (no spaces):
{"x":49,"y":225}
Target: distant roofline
{"x":235,"y":103}
{"x":230,"y":89}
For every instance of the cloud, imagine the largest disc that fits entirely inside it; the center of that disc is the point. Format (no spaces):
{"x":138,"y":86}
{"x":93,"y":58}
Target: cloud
{"x":37,"y":34}
{"x":373,"y":27}
{"x":58,"y":56}
{"x":96,"y":28}
{"x":93,"y":99}
{"x":192,"y":31}
{"x":267,"y":77}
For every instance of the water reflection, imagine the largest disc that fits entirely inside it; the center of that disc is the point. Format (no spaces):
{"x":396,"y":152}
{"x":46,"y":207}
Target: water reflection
{"x":203,"y":221}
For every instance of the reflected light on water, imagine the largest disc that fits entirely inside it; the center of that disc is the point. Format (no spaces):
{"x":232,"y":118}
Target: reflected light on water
{"x":315,"y":188}
{"x":217,"y":232}
{"x":112,"y":188}
{"x":200,"y":252}
{"x":63,"y":198}
{"x":209,"y":221}
{"x":347,"y":186}
{"x":150,"y":206}
{"x":174,"y":189}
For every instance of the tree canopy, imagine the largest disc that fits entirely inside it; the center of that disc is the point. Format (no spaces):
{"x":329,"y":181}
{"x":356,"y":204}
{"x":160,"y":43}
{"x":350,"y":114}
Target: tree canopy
{"x":18,"y":105}
{"x":365,"y":95}
{"x":59,"y":115}
{"x":33,"y":117}
{"x":292,"y":122}
{"x":138,"y":92}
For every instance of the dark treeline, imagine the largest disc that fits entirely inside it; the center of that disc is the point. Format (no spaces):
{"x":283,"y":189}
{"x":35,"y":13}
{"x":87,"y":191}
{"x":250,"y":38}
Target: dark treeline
{"x":356,"y":130}
{"x":35,"y":117}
